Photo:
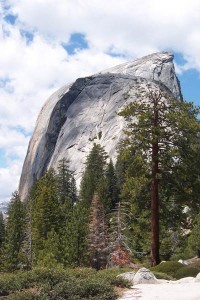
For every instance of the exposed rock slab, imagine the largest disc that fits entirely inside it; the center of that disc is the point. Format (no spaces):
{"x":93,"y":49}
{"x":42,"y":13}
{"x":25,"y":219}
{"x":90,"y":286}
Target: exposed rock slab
{"x":157,"y":66}
{"x":84,"y":112}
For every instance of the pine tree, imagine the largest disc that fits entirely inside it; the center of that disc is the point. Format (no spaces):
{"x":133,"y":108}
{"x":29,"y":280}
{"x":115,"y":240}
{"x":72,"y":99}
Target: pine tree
{"x":53,"y":217}
{"x":94,"y":172}
{"x":112,"y":186}
{"x":66,"y":184}
{"x":14,"y":234}
{"x":98,"y":236}
{"x":74,"y":237}
{"x":194,"y":239}
{"x":46,"y":210}
{"x":135,"y":194}
{"x":27,"y":247}
{"x":2,"y":237}
{"x":49,"y":254}
{"x":2,"y":229}
{"x":159,"y":128}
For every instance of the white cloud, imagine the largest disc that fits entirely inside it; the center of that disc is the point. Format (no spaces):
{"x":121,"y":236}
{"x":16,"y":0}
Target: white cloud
{"x":8,"y":179}
{"x":31,"y":70}
{"x":129,"y":26}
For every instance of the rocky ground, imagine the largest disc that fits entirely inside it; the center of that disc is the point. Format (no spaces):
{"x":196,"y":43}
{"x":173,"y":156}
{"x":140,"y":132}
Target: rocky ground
{"x":147,"y":287}
{"x":163,"y":291}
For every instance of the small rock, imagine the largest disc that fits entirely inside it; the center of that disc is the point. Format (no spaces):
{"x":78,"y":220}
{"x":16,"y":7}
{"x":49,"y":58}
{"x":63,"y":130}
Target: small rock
{"x":197,"y":279}
{"x":144,"y":275}
{"x":128,"y":276}
{"x":183,"y":262}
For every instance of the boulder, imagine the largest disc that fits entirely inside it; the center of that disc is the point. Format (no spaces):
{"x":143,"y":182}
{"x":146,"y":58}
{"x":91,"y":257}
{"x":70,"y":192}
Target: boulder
{"x":183,"y":262}
{"x":197,"y":279}
{"x":144,"y":276}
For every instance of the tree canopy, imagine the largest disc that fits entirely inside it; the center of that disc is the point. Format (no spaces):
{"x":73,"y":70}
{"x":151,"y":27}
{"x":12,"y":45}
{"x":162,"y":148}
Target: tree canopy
{"x":161,"y":135}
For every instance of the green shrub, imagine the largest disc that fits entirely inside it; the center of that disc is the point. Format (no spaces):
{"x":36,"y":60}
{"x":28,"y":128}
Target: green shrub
{"x":176,"y":270}
{"x":10,"y":282}
{"x":80,"y":289}
{"x":81,"y":272}
{"x":110,"y":276}
{"x":160,"y":275}
{"x":23,"y":295}
{"x":44,"y":275}
{"x":186,"y":271}
{"x":169,"y":268}
{"x":196,"y":265}
{"x":94,"y":288}
{"x":53,"y":284}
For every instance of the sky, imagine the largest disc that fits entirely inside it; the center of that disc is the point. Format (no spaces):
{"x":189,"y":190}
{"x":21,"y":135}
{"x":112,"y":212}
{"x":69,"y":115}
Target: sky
{"x":45,"y":44}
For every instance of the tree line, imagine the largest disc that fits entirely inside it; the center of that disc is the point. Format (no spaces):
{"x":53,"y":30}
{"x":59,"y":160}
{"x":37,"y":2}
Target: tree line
{"x":146,"y":206}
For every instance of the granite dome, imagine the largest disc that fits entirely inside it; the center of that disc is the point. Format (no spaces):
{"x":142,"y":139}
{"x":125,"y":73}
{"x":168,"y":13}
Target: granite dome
{"x":84,"y":112}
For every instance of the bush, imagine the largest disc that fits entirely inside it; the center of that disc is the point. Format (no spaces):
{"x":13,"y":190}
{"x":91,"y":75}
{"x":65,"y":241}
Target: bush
{"x":110,"y":276}
{"x":53,"y":284}
{"x":170,"y":268}
{"x":160,"y":275}
{"x":23,"y":295}
{"x":9,"y":282}
{"x":44,"y":275}
{"x":80,"y":289}
{"x":176,"y":270}
{"x":22,"y":280}
{"x":81,"y":272}
{"x":186,"y":272}
{"x":196,"y":265}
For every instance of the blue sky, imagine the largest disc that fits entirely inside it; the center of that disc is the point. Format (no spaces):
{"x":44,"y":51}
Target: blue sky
{"x":189,"y":80}
{"x":46,"y":43}
{"x":190,"y":84}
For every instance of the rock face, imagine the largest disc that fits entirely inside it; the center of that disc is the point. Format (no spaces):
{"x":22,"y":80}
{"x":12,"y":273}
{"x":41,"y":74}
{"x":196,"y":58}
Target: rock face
{"x":79,"y":114}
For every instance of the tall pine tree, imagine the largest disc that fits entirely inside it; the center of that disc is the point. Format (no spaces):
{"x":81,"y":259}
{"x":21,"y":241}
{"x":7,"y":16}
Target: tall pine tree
{"x":94,"y":173}
{"x":14,"y":235}
{"x":74,"y":237}
{"x":46,"y":210}
{"x":2,"y":229}
{"x":66,"y":184}
{"x":98,"y":235}
{"x":159,"y":128}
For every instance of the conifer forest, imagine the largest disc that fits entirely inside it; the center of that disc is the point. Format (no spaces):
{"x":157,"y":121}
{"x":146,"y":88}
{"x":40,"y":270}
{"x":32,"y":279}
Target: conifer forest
{"x":140,"y":209}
